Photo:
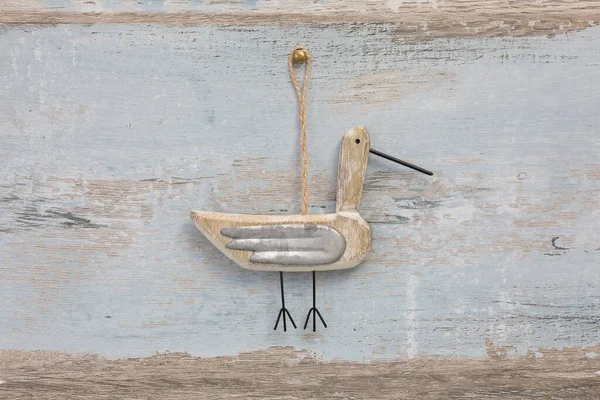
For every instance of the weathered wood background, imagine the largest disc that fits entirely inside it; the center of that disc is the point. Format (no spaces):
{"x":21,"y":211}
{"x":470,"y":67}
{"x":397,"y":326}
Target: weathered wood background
{"x":118,"y":117}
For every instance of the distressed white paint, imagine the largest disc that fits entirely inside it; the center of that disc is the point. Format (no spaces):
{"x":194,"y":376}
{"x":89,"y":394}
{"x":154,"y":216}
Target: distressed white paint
{"x":110,"y":134}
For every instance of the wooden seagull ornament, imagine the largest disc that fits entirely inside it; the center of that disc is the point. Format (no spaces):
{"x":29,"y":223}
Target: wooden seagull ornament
{"x":297,"y":243}
{"x":303,"y":243}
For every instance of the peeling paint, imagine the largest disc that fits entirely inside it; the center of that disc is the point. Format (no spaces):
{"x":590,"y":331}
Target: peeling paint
{"x":96,"y":195}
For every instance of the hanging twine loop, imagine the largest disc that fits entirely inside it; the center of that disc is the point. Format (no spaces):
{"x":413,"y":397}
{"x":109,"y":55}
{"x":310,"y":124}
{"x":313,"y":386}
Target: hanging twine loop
{"x":300,"y":56}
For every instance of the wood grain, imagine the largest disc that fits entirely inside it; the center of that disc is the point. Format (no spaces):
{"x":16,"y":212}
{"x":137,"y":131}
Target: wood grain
{"x":285,"y":373}
{"x":112,"y":133}
{"x":352,"y":168}
{"x":409,"y":21}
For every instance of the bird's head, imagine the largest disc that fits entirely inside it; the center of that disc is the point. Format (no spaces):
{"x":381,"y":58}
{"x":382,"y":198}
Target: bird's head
{"x":356,"y":143}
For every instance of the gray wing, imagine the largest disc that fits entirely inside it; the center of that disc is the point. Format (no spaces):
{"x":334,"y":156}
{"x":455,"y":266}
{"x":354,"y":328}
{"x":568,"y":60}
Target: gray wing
{"x":288,"y":244}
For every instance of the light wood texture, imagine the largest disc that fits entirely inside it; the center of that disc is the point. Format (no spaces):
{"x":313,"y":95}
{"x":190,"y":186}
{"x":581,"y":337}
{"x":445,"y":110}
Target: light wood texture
{"x":110,"y":134}
{"x":406,"y":20}
{"x":352,"y":167}
{"x":354,"y":153}
{"x":278,"y":373}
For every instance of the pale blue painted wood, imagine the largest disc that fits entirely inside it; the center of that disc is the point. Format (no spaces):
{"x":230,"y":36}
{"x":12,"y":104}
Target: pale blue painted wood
{"x":111,"y":134}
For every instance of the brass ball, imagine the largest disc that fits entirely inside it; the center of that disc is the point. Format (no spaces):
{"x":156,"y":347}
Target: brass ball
{"x":299,"y":56}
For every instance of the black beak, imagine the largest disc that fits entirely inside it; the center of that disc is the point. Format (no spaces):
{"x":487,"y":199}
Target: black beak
{"x":396,"y":160}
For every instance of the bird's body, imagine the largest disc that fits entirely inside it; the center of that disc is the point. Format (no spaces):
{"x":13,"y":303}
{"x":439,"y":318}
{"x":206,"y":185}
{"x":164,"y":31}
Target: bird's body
{"x":297,"y":243}
{"x":355,"y":231}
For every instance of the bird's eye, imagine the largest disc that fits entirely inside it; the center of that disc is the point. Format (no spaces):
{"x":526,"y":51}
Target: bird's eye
{"x":357,"y":141}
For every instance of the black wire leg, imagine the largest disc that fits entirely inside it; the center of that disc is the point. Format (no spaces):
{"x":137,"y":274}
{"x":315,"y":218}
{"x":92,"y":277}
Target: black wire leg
{"x":314,"y":311}
{"x":284,"y":311}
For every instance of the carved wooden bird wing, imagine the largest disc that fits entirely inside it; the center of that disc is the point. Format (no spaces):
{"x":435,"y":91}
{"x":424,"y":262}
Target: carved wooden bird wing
{"x":288,"y":244}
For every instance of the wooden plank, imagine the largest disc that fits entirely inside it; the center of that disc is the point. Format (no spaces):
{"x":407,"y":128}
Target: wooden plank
{"x":284,"y":373}
{"x":408,"y":20}
{"x":111,"y":134}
